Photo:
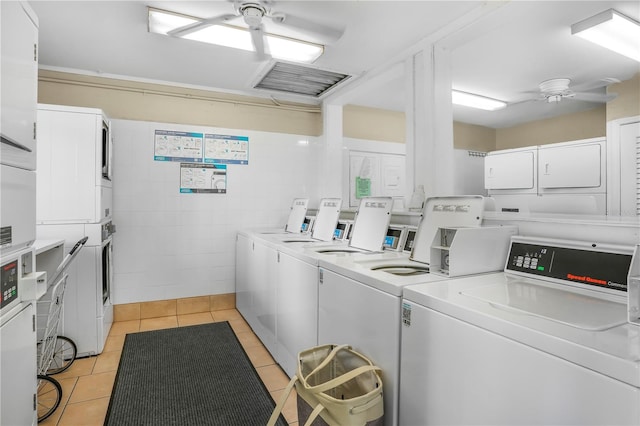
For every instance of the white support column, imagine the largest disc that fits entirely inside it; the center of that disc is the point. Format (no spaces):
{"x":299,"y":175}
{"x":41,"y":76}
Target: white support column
{"x":433,"y":122}
{"x":332,"y":168}
{"x":410,"y":140}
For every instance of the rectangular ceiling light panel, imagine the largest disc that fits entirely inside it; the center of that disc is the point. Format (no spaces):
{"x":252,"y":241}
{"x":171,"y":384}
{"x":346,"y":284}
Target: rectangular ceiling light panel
{"x":284,"y":48}
{"x":612,"y":30}
{"x":476,"y":101}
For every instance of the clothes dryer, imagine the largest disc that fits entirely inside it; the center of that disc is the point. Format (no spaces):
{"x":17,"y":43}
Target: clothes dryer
{"x":544,"y":342}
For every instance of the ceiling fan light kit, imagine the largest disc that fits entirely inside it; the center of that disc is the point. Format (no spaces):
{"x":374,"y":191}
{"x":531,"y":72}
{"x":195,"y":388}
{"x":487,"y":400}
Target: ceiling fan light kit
{"x":218,"y":31}
{"x":612,"y":30}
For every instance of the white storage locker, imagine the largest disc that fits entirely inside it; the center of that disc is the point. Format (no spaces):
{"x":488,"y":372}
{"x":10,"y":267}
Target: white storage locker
{"x":512,"y":170}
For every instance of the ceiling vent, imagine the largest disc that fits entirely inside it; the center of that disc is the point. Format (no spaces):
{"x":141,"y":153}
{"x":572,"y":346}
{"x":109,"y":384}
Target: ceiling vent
{"x":300,"y":80}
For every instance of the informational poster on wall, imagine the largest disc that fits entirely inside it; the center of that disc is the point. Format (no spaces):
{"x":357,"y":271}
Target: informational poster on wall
{"x":170,"y":145}
{"x":375,"y":174}
{"x":196,"y":178}
{"x":226,"y":149}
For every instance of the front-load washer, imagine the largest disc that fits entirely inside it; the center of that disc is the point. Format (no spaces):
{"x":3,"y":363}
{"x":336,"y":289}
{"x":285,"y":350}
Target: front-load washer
{"x":544,"y":342}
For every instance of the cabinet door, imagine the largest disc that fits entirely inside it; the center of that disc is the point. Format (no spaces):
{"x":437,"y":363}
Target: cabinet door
{"x":19,"y":86}
{"x":510,"y":170}
{"x":576,"y":166}
{"x":297,"y":310}
{"x":18,"y":369}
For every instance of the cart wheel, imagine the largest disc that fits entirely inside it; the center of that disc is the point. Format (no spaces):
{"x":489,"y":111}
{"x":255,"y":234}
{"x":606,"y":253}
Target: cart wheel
{"x":64,"y":353}
{"x":49,"y":396}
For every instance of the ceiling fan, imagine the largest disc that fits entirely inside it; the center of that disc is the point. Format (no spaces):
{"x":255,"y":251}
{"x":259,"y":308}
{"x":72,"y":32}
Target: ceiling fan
{"x":253,"y":13}
{"x":559,"y":89}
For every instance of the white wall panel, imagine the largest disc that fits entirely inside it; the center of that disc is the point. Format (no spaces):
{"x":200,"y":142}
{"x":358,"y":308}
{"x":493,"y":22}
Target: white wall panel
{"x":171,"y":245}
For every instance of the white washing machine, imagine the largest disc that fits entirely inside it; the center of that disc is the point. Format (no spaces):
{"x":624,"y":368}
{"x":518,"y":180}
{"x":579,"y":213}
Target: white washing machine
{"x":278,"y":293}
{"x":295,"y":220}
{"x":544,"y":342}
{"x":360,"y":295}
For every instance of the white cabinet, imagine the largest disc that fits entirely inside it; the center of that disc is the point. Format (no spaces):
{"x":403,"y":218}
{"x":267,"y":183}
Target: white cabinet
{"x":73,"y":146}
{"x":511,"y":170}
{"x":296,"y":310}
{"x":19,"y":79}
{"x":563,"y":166}
{"x":568,"y":177}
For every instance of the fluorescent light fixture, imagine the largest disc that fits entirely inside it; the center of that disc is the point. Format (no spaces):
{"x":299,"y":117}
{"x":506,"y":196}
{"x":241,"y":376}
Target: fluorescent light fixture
{"x":476,"y":101}
{"x":612,"y":30}
{"x":289,"y":49}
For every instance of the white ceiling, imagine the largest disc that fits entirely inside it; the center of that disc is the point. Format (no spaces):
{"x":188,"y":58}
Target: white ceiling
{"x":505,"y":55}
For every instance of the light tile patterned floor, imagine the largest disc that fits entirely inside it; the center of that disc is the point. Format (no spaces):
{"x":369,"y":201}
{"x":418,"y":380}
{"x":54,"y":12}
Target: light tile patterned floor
{"x":87,"y":385}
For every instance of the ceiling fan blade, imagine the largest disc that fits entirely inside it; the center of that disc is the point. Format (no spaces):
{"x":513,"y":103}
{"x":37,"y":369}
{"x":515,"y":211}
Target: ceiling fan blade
{"x":197,"y":26}
{"x":257,"y":38}
{"x":587,"y":87}
{"x":316,"y":32}
{"x":594,"y":97}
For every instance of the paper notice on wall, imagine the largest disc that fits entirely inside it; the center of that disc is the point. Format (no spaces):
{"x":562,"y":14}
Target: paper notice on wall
{"x":363,"y":187}
{"x":226,"y":149}
{"x":170,"y":145}
{"x":198,"y":178}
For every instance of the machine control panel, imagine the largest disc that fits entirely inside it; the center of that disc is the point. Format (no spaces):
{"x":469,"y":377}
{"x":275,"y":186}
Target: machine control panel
{"x":408,"y":243}
{"x":9,"y":283}
{"x":603,"y":269}
{"x":393,"y":239}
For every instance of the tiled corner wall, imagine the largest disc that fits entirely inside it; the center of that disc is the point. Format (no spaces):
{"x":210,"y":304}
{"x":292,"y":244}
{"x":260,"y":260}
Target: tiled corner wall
{"x":171,"y":245}
{"x":164,"y":308}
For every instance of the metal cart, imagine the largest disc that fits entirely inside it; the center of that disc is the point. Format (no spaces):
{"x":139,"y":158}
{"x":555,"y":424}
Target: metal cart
{"x":56,"y":353}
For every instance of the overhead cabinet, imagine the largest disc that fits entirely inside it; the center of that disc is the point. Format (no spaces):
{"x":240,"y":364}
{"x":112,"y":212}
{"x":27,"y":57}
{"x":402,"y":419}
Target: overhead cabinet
{"x":572,"y":166}
{"x":568,"y":177}
{"x":511,"y":170}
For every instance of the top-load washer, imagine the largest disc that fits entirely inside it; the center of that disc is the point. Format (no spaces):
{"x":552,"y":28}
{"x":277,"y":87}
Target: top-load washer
{"x":324,"y":225}
{"x":544,"y":342}
{"x":360,"y":302}
{"x":295,"y":220}
{"x":277,"y":282}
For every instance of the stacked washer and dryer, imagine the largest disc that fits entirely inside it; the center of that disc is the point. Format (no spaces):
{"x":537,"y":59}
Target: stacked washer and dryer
{"x":74,"y":200}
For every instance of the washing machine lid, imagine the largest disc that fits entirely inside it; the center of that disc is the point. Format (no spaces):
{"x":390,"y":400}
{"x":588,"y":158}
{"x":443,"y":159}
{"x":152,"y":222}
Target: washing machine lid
{"x":446,"y":212}
{"x":326,"y":219}
{"x":371,"y":222}
{"x":296,"y":215}
{"x":572,"y":308}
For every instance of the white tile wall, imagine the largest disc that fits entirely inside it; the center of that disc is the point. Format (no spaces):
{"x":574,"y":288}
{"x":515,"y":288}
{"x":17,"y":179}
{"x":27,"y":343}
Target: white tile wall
{"x":170,"y":245}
